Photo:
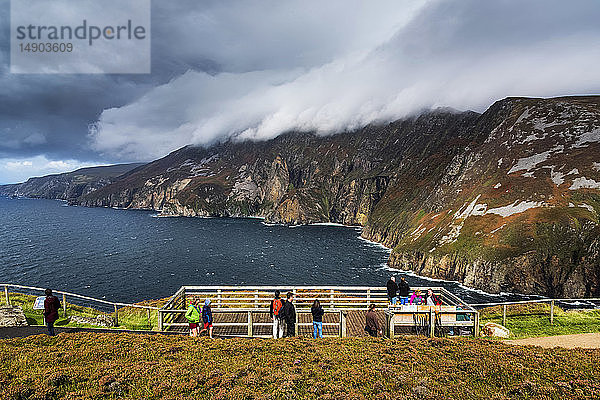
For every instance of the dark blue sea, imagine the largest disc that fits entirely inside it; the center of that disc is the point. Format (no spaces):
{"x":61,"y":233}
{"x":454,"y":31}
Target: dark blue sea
{"x":129,"y":255}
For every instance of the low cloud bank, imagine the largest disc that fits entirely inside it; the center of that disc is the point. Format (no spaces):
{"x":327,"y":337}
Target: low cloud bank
{"x":463,"y":55}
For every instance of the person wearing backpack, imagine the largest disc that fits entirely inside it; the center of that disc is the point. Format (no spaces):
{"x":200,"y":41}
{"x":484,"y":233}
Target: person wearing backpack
{"x":288,"y":314}
{"x":193,"y":315}
{"x":317,"y":313}
{"x":275,"y":312}
{"x":207,"y":318}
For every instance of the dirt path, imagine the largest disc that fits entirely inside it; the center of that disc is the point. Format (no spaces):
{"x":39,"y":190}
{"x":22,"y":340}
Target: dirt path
{"x":585,"y":340}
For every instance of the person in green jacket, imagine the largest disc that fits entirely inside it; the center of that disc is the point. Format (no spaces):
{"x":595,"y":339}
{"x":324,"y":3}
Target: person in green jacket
{"x":193,"y":315}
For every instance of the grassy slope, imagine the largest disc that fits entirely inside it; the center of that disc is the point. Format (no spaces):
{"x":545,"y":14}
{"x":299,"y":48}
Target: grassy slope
{"x":129,"y":318}
{"x":534,"y":320}
{"x":86,"y":366}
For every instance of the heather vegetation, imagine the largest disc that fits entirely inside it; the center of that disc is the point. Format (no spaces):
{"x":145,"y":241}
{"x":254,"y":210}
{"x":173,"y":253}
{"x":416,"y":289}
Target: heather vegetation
{"x":94,"y":366}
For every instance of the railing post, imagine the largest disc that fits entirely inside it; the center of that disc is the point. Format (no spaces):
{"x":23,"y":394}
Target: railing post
{"x":431,"y":323}
{"x":343,"y":330}
{"x":256,"y":299}
{"x":159,"y":322}
{"x":331,"y":299}
{"x":504,"y":315}
{"x":368,"y":297}
{"x":64,"y":305}
{"x":552,"y":312}
{"x":391,"y":325}
{"x":476,"y":327}
{"x":250,"y":330}
{"x":116,"y":315}
{"x":6,"y":295}
{"x":219,"y":291}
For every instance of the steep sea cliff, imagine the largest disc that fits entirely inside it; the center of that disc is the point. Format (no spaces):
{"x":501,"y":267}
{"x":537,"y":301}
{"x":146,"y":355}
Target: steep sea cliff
{"x":507,"y":200}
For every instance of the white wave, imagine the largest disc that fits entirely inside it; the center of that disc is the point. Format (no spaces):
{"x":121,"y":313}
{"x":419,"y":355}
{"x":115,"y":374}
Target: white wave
{"x":334,"y":224}
{"x":254,"y":217}
{"x":375,"y":244}
{"x":386,"y":267}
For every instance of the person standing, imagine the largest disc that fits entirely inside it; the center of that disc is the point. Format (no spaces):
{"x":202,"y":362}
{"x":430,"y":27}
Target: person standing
{"x":317,"y":313}
{"x":207,"y":318}
{"x":193,"y":315}
{"x":288,"y":314}
{"x":392,"y":290}
{"x":416,"y":297}
{"x":372,"y":324}
{"x":403,"y":289}
{"x":432,"y":299}
{"x":51,"y":307}
{"x":275,"y":312}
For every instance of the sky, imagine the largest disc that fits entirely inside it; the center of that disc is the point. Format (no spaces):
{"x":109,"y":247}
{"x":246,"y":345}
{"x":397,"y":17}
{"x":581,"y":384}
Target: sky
{"x":253,"y":70}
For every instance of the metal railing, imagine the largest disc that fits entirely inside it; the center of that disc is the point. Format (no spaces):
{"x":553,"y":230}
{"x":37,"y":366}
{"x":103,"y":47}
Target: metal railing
{"x":254,"y":302}
{"x":552,"y":302}
{"x":77,"y":299}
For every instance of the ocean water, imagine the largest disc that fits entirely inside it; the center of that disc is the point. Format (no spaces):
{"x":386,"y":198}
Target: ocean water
{"x":131,"y":255}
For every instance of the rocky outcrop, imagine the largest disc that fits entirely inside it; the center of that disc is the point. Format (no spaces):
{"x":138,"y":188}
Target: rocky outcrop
{"x":495,"y":330}
{"x":12,"y":316}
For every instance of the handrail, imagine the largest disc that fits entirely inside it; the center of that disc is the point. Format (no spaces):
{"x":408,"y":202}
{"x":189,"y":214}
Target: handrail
{"x":292,"y":287}
{"x":80,"y":296}
{"x":543,"y":300}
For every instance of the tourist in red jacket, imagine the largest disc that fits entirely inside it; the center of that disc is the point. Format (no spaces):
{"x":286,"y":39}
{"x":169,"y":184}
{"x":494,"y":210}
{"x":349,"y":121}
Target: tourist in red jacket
{"x":51,"y":307}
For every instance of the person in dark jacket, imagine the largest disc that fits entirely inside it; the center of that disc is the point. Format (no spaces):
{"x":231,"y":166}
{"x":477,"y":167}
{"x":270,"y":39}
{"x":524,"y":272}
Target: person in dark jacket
{"x":317,"y":314}
{"x":288,"y":314}
{"x":392,"y":289}
{"x":403,"y":290}
{"x":372,"y":325}
{"x":207,"y":318}
{"x":51,"y":307}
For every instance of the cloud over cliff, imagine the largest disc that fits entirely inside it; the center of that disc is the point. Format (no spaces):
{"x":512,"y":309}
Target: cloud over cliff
{"x":257,"y":69}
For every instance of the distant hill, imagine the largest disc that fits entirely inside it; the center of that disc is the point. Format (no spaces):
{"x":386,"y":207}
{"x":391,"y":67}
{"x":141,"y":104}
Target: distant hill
{"x":69,"y":185}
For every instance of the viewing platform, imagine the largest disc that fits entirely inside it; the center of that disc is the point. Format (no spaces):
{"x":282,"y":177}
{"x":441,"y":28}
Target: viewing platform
{"x":243,"y":311}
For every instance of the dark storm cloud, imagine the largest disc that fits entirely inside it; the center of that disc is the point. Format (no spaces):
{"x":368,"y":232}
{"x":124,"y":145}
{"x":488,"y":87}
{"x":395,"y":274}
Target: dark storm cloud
{"x":256,"y":69}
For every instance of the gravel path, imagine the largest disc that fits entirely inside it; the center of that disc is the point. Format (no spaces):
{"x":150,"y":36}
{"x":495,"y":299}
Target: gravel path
{"x":585,"y":341}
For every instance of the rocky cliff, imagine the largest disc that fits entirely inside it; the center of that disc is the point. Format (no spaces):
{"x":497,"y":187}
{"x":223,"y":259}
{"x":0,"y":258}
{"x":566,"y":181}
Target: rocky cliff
{"x":507,"y":200}
{"x":67,"y":186}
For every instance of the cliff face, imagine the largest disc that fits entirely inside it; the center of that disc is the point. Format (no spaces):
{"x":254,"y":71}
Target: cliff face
{"x":503,"y":201}
{"x":518,"y":212}
{"x":297,"y":177}
{"x":67,"y":186}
